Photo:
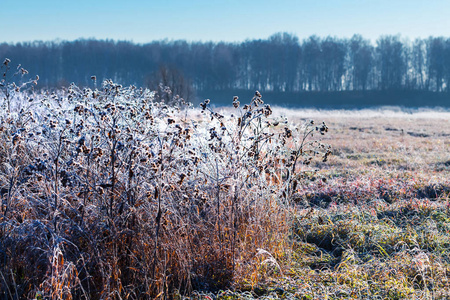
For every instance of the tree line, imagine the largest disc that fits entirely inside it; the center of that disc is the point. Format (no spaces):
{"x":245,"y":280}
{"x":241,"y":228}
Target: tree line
{"x":279,"y":63}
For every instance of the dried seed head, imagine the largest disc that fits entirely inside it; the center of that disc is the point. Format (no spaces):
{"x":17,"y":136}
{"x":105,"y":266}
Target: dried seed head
{"x":100,"y":190}
{"x":85,"y":149}
{"x":287,"y":132}
{"x":16,"y":139}
{"x":267,"y":110}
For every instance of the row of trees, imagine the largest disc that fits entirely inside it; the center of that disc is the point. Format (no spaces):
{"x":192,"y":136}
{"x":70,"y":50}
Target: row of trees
{"x":279,"y":63}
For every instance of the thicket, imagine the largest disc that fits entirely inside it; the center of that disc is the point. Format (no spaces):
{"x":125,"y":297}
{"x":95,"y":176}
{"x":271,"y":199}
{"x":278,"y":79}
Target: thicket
{"x":108,"y":193}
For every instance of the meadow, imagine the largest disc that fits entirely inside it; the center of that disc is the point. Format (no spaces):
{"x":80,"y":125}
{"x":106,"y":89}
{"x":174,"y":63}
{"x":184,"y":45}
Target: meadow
{"x":110,"y":193}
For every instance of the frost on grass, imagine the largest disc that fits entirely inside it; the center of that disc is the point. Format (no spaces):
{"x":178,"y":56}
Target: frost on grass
{"x":110,"y":193}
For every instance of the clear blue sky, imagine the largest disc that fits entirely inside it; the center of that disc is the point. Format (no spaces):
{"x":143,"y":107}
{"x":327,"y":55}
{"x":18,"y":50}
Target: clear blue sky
{"x":214,"y":20}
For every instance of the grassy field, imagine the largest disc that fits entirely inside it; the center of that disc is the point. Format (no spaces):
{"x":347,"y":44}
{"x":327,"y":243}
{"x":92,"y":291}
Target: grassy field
{"x":378,"y":227}
{"x":110,"y":194}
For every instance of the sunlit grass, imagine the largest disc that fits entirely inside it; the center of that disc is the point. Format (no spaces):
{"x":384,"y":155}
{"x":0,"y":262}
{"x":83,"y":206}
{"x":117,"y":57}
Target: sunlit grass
{"x":110,"y":194}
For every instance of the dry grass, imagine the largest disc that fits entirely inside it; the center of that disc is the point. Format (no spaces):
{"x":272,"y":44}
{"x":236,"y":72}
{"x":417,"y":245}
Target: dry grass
{"x":107,"y":194}
{"x":379,"y":226}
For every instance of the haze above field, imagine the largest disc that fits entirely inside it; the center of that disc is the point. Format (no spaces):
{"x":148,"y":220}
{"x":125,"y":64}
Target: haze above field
{"x":231,"y":20}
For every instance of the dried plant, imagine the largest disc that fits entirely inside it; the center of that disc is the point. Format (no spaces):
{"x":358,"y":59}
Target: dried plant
{"x":112,"y":194}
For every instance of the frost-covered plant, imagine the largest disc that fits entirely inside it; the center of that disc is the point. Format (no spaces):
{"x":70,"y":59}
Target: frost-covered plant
{"x":265,"y":150}
{"x":8,"y":85}
{"x":140,"y":197}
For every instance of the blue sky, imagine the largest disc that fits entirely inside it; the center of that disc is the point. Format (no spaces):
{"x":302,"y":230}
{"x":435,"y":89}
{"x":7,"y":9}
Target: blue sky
{"x":215,"y":20}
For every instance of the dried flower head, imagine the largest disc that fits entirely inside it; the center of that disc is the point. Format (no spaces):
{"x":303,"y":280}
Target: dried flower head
{"x":236,"y":102}
{"x":267,"y":110}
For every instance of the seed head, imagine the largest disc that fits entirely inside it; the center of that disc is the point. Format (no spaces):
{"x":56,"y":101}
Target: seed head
{"x":267,"y":110}
{"x":16,"y":139}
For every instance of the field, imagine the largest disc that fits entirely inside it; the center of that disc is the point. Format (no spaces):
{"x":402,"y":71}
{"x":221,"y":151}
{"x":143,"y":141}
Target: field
{"x":111,"y":194}
{"x":379,"y":226}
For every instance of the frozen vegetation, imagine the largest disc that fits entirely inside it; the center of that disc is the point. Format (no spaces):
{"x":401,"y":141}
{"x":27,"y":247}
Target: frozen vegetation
{"x":112,"y":193}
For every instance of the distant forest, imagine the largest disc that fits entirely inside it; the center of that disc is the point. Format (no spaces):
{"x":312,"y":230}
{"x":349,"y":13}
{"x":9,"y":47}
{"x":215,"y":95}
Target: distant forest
{"x":393,"y":71}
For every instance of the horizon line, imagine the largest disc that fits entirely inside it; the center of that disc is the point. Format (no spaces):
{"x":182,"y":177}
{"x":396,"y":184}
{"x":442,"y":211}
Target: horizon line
{"x":170,"y":40}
